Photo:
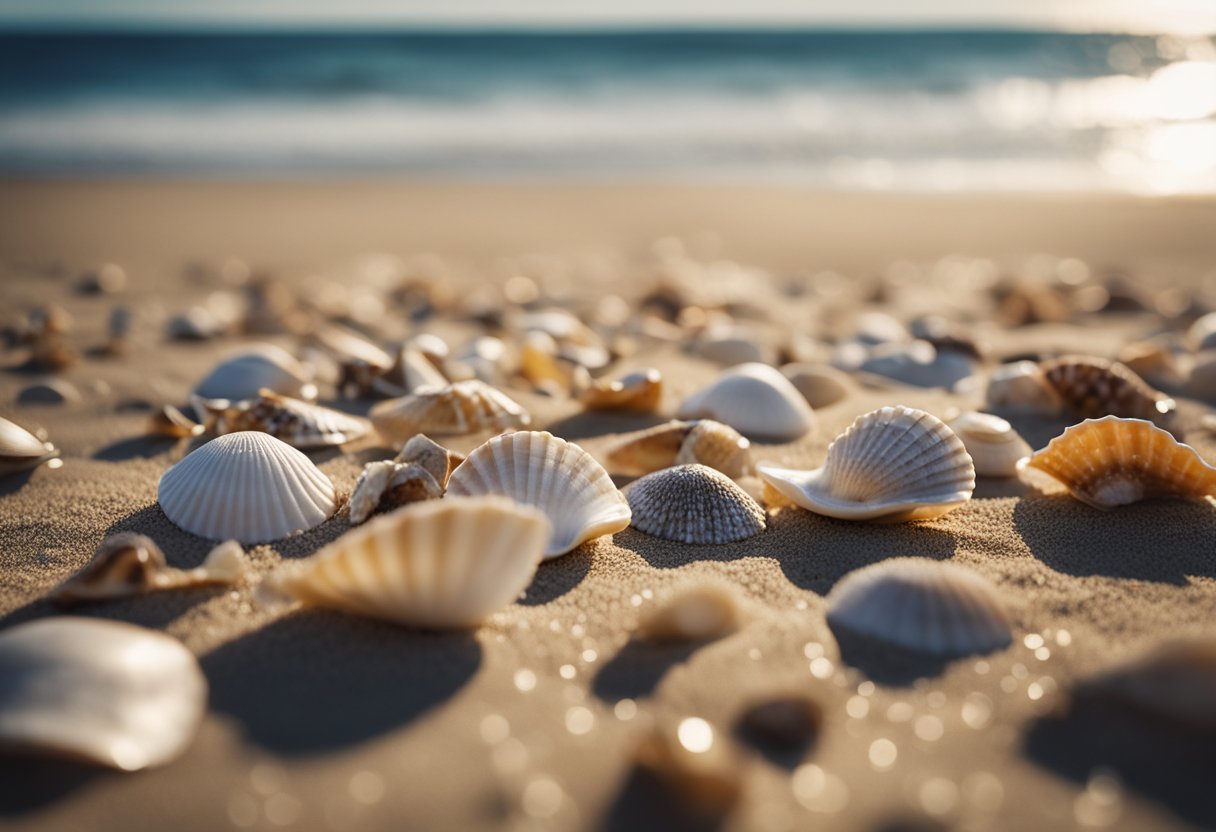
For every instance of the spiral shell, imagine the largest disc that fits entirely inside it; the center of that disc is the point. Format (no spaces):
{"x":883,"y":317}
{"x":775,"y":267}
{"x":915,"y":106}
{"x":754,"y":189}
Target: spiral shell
{"x":460,"y":408}
{"x":757,"y":401}
{"x":693,"y":504}
{"x":994,"y":445}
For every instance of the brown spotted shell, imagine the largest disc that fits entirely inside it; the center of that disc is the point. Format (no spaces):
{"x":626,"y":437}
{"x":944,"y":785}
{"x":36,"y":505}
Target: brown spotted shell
{"x":693,"y":504}
{"x":1093,"y":387}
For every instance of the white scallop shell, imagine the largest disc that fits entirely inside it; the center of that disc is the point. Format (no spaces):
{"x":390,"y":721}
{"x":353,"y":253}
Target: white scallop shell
{"x":693,"y":504}
{"x":459,"y":408}
{"x":243,"y":375}
{"x":440,"y":564}
{"x":927,"y":606}
{"x":102,"y":691}
{"x":558,"y":477}
{"x":20,"y":449}
{"x":893,"y":464}
{"x":246,"y":486}
{"x":994,"y":445}
{"x":756,"y":400}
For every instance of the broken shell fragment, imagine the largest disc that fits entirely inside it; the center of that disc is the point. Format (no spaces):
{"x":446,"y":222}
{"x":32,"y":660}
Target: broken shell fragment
{"x":432,"y":457}
{"x":384,"y":486}
{"x":20,"y":449}
{"x":994,"y":445}
{"x":699,"y":610}
{"x":171,"y":422}
{"x":461,"y":408}
{"x":638,"y":392}
{"x":693,"y":504}
{"x":1092,"y":388}
{"x":1175,"y":680}
{"x":681,"y":443}
{"x":299,"y":423}
{"x":756,"y":400}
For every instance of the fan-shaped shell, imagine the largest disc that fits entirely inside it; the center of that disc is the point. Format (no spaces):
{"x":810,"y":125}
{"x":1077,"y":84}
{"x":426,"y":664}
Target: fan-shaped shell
{"x":639,"y":392}
{"x":103,"y":691}
{"x":243,"y":375}
{"x":440,"y":564}
{"x":1176,"y":680}
{"x":893,"y":464}
{"x":1112,"y":462}
{"x":994,"y":445}
{"x":556,"y":476}
{"x":820,"y":384}
{"x":246,"y":486}
{"x":298,"y":423}
{"x":463,"y":407}
{"x":756,"y":400}
{"x":20,"y":449}
{"x":940,"y":609}
{"x":682,"y":443}
{"x":693,"y":504}
{"x":1092,"y":387}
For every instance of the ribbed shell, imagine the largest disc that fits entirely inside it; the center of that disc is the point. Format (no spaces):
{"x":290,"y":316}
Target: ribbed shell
{"x":757,"y":401}
{"x":693,"y":504}
{"x":246,"y":486}
{"x":242,"y":376}
{"x":1176,"y":680}
{"x":20,"y":449}
{"x":103,"y":691}
{"x":894,"y":464}
{"x":1112,"y":462}
{"x":994,"y":445}
{"x":556,"y":476}
{"x":638,"y":392}
{"x":682,"y":443}
{"x":463,"y":407}
{"x":940,"y":609}
{"x":299,"y":423}
{"x":440,"y":564}
{"x":1092,"y":387}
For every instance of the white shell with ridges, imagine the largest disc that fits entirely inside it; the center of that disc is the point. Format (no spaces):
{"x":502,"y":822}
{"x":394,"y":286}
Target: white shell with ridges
{"x":756,"y":400}
{"x":460,"y":408}
{"x":994,"y":445}
{"x":693,"y":504}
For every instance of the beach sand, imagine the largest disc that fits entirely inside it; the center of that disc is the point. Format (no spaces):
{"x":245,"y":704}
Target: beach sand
{"x":323,"y":721}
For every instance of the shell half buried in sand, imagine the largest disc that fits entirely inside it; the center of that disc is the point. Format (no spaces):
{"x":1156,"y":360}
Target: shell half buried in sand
{"x":299,"y":423}
{"x":683,"y":443}
{"x":102,"y":691}
{"x":699,"y":609}
{"x":1175,"y":680}
{"x":1092,"y":387}
{"x":757,"y":401}
{"x":930,"y":607}
{"x":460,"y":408}
{"x":637,"y":392}
{"x":693,"y":504}
{"x":894,"y":464}
{"x":1112,"y":462}
{"x":20,"y":449}
{"x":558,"y":477}
{"x":248,"y":487}
{"x":995,"y":447}
{"x":442,"y":564}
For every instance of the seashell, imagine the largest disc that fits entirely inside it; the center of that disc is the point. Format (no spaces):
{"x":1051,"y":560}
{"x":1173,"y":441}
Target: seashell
{"x":541,"y":364}
{"x":699,"y":610}
{"x":693,"y":504}
{"x":1022,"y":387}
{"x":730,"y":346}
{"x":51,"y":352}
{"x":246,"y":486}
{"x":682,"y":443}
{"x":349,"y":347}
{"x":298,"y":423}
{"x":918,"y":364}
{"x":820,"y":384}
{"x":440,"y":564}
{"x":1202,"y":334}
{"x":994,"y":445}
{"x":756,"y":400}
{"x":103,"y":691}
{"x":893,"y":465}
{"x":639,"y":392}
{"x":1175,"y":680}
{"x":1092,"y":387}
{"x":411,"y":371}
{"x":790,"y":721}
{"x":387,"y":485}
{"x":131,"y":564}
{"x":432,"y":457}
{"x":462,"y":407}
{"x":1111,"y":462}
{"x":50,"y":391}
{"x":873,"y":327}
{"x":556,"y":476}
{"x":1201,"y":380}
{"x":926,"y":606}
{"x":696,"y":766}
{"x":20,"y":449}
{"x":169,"y":421}
{"x":243,"y":375}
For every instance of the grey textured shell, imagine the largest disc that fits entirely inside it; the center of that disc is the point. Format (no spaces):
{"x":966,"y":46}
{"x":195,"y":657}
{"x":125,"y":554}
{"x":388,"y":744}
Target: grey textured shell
{"x":693,"y":504}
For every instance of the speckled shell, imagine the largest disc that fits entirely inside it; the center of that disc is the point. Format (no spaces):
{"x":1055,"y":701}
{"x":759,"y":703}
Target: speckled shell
{"x":682,"y":443}
{"x":994,"y":445}
{"x":757,"y":401}
{"x":1112,"y":462}
{"x":820,"y":384}
{"x":263,"y":366}
{"x":1091,"y":388}
{"x":894,"y":464}
{"x":1022,"y":387}
{"x":110,"y":693}
{"x":1175,"y":680}
{"x":693,"y":504}
{"x":463,"y":407}
{"x":298,"y":423}
{"x":556,"y":476}
{"x":699,"y":609}
{"x":20,"y":449}
{"x":246,"y":486}
{"x":442,"y":564}
{"x":930,"y":607}
{"x":638,"y":392}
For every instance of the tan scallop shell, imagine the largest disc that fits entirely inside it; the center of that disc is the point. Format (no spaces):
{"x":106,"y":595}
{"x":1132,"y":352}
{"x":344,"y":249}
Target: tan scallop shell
{"x":894,"y":464}
{"x":756,"y":400}
{"x":697,"y":610}
{"x":639,"y":392}
{"x":994,"y":445}
{"x":926,"y":606}
{"x":20,"y":449}
{"x":440,"y":564}
{"x":1112,"y":462}
{"x":1022,"y":387}
{"x":693,"y":504}
{"x":1092,"y":387}
{"x":1176,"y":680}
{"x":682,"y":443}
{"x":299,"y":423}
{"x":460,"y":408}
{"x":820,"y":384}
{"x":558,"y":477}
{"x":261,"y":366}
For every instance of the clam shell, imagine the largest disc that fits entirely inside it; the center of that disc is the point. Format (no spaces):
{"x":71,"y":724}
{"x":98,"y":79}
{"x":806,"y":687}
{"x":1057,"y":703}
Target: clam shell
{"x":463,"y":407}
{"x":820,"y":384}
{"x":682,"y":443}
{"x":1175,"y":680}
{"x":893,"y":464}
{"x":693,"y":504}
{"x":1112,"y":462}
{"x":246,"y":486}
{"x":556,"y":476}
{"x":102,"y":691}
{"x":441,"y":564}
{"x":243,"y":375}
{"x":298,"y":423}
{"x":1092,"y":387}
{"x":1022,"y":387}
{"x":639,"y":392}
{"x":926,"y":606}
{"x":20,"y":449}
{"x":756,"y":400}
{"x":698,"y":610}
{"x":994,"y":445}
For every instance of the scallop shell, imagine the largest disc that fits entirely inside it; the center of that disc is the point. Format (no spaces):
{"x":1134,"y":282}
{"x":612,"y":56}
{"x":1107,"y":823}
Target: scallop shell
{"x":298,"y":423}
{"x":926,"y":606}
{"x":693,"y":504}
{"x":463,"y":407}
{"x":1092,"y":387}
{"x":893,"y":464}
{"x":1022,"y":387}
{"x":638,"y":392}
{"x":1113,"y":462}
{"x":20,"y":449}
{"x":102,"y":691}
{"x":246,"y":486}
{"x":387,"y":485}
{"x":440,"y":564}
{"x":681,"y":443}
{"x":243,"y":375}
{"x":994,"y":445}
{"x":1176,"y":680}
{"x":699,"y":610}
{"x":556,"y":476}
{"x":820,"y":384}
{"x":756,"y":400}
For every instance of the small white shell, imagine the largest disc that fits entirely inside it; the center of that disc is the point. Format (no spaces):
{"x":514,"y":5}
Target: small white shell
{"x":243,"y":375}
{"x":246,"y":486}
{"x":20,"y":449}
{"x":931,"y":607}
{"x":756,"y":400}
{"x":994,"y":445}
{"x":894,"y":464}
{"x":299,"y":423}
{"x":1022,"y":387}
{"x":440,"y":564}
{"x":460,"y":408}
{"x":693,"y":504}
{"x":103,"y":691}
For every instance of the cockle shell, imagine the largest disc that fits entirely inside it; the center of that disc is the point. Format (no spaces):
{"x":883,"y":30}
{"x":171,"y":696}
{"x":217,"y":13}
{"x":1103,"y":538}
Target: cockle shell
{"x":693,"y":504}
{"x":246,"y":486}
{"x":20,"y":449}
{"x":894,"y":464}
{"x":102,"y":691}
{"x":1176,"y":680}
{"x":699,"y":610}
{"x":1021,"y":387}
{"x":299,"y":423}
{"x":638,"y":392}
{"x":756,"y":400}
{"x":1092,"y":387}
{"x":264,"y":366}
{"x":463,"y":407}
{"x":994,"y":445}
{"x":926,"y":606}
{"x":820,"y":384}
{"x":387,"y":485}
{"x":169,"y":421}
{"x":682,"y":443}
{"x":1112,"y":462}
{"x":131,"y":564}
{"x":440,"y":564}
{"x":556,"y":476}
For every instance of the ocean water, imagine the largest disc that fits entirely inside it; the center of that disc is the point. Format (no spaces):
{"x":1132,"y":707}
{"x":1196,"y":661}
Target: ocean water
{"x":899,"y":110}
